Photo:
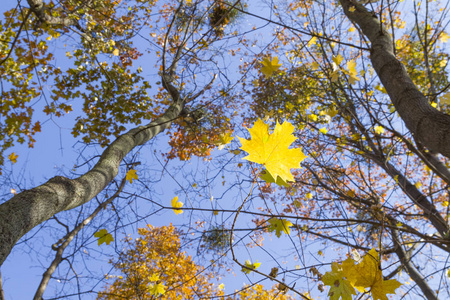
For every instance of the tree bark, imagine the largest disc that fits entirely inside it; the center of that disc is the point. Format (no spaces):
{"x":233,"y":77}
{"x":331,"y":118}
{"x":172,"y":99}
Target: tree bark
{"x":428,"y":125}
{"x":30,"y":208}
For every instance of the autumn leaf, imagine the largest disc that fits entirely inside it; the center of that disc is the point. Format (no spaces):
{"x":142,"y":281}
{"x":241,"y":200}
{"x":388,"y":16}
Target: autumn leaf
{"x":339,"y":285}
{"x":131,"y":174}
{"x":279,"y":225}
{"x":353,"y":74}
{"x":13,"y":157}
{"x":224,"y":138}
{"x":270,"y":66}
{"x":443,"y":37}
{"x":157,"y":289}
{"x":249,"y":266}
{"x":103,"y":237}
{"x":370,"y":276}
{"x":378,"y":129}
{"x":272,"y":150}
{"x":176,"y":205}
{"x":115,"y":52}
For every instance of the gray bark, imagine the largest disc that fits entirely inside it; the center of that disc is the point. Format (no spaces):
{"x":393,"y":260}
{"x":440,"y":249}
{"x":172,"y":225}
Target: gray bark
{"x":30,"y":208}
{"x":428,"y":125}
{"x":405,"y":258}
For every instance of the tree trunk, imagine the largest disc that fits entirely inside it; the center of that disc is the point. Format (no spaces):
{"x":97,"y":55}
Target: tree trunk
{"x":428,"y":125}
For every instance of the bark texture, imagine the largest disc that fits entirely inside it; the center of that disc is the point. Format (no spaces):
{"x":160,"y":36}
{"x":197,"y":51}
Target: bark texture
{"x":28,"y":209}
{"x":428,"y":125}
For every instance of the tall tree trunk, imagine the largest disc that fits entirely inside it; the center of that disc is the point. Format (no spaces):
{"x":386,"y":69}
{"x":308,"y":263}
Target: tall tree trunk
{"x":428,"y":125}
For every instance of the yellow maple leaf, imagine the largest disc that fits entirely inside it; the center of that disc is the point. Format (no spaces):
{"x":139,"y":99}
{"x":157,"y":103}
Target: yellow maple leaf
{"x":444,"y":37}
{"x":339,"y":286}
{"x":270,"y":66}
{"x":279,"y":225}
{"x":351,"y":65}
{"x":115,"y":52}
{"x":337,"y":59}
{"x":157,"y":289}
{"x":249,"y":266}
{"x":13,"y":157}
{"x":131,"y":174}
{"x":352,"y":9}
{"x":312,"y":41}
{"x":370,"y":276}
{"x":272,"y":150}
{"x":224,"y":138}
{"x":176,"y":205}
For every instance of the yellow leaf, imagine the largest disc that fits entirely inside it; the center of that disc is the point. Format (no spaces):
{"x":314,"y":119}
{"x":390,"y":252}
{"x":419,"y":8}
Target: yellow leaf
{"x":13,"y":157}
{"x":339,"y":286}
{"x":279,"y":225}
{"x":352,"y":9}
{"x":379,"y":129}
{"x":103,"y":237}
{"x":351,"y":29}
{"x":338,"y":59}
{"x":157,"y":289}
{"x":445,"y":203}
{"x":13,"y":191}
{"x":221,"y":286}
{"x":176,"y":205}
{"x":131,"y":174}
{"x":272,"y":150}
{"x":323,"y":130}
{"x":312,"y":41}
{"x":444,"y":37}
{"x":250,"y":266}
{"x":115,"y":52}
{"x":223,"y":140}
{"x":270,"y":66}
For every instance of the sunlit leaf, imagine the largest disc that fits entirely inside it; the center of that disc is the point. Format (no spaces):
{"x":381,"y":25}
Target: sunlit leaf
{"x":272,"y":150}
{"x":176,"y":205}
{"x":270,"y":66}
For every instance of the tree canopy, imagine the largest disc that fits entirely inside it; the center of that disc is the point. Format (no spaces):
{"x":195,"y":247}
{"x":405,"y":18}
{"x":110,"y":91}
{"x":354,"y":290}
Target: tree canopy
{"x":299,"y":144}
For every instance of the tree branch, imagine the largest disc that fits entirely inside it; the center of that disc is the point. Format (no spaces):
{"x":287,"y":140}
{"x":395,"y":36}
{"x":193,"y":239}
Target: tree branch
{"x":405,"y":259}
{"x":428,"y":125}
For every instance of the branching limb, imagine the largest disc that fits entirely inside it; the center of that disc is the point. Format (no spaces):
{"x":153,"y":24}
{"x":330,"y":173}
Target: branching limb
{"x":405,"y":258}
{"x":63,"y":243}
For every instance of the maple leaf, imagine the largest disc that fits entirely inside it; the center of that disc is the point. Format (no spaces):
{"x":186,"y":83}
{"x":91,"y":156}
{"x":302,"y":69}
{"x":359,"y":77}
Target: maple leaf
{"x":370,"y":276}
{"x":115,"y":52}
{"x":279,"y":225}
{"x":249,"y":266}
{"x":223,"y":140}
{"x":270,"y":66}
{"x":176,"y":205}
{"x":131,"y":174}
{"x":157,"y":289}
{"x":272,"y":150}
{"x":13,"y":157}
{"x":339,"y":286}
{"x":103,"y":237}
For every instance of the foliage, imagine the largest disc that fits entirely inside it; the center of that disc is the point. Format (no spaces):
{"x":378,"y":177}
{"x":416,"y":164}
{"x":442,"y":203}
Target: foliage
{"x":202,"y":71}
{"x":154,"y":266}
